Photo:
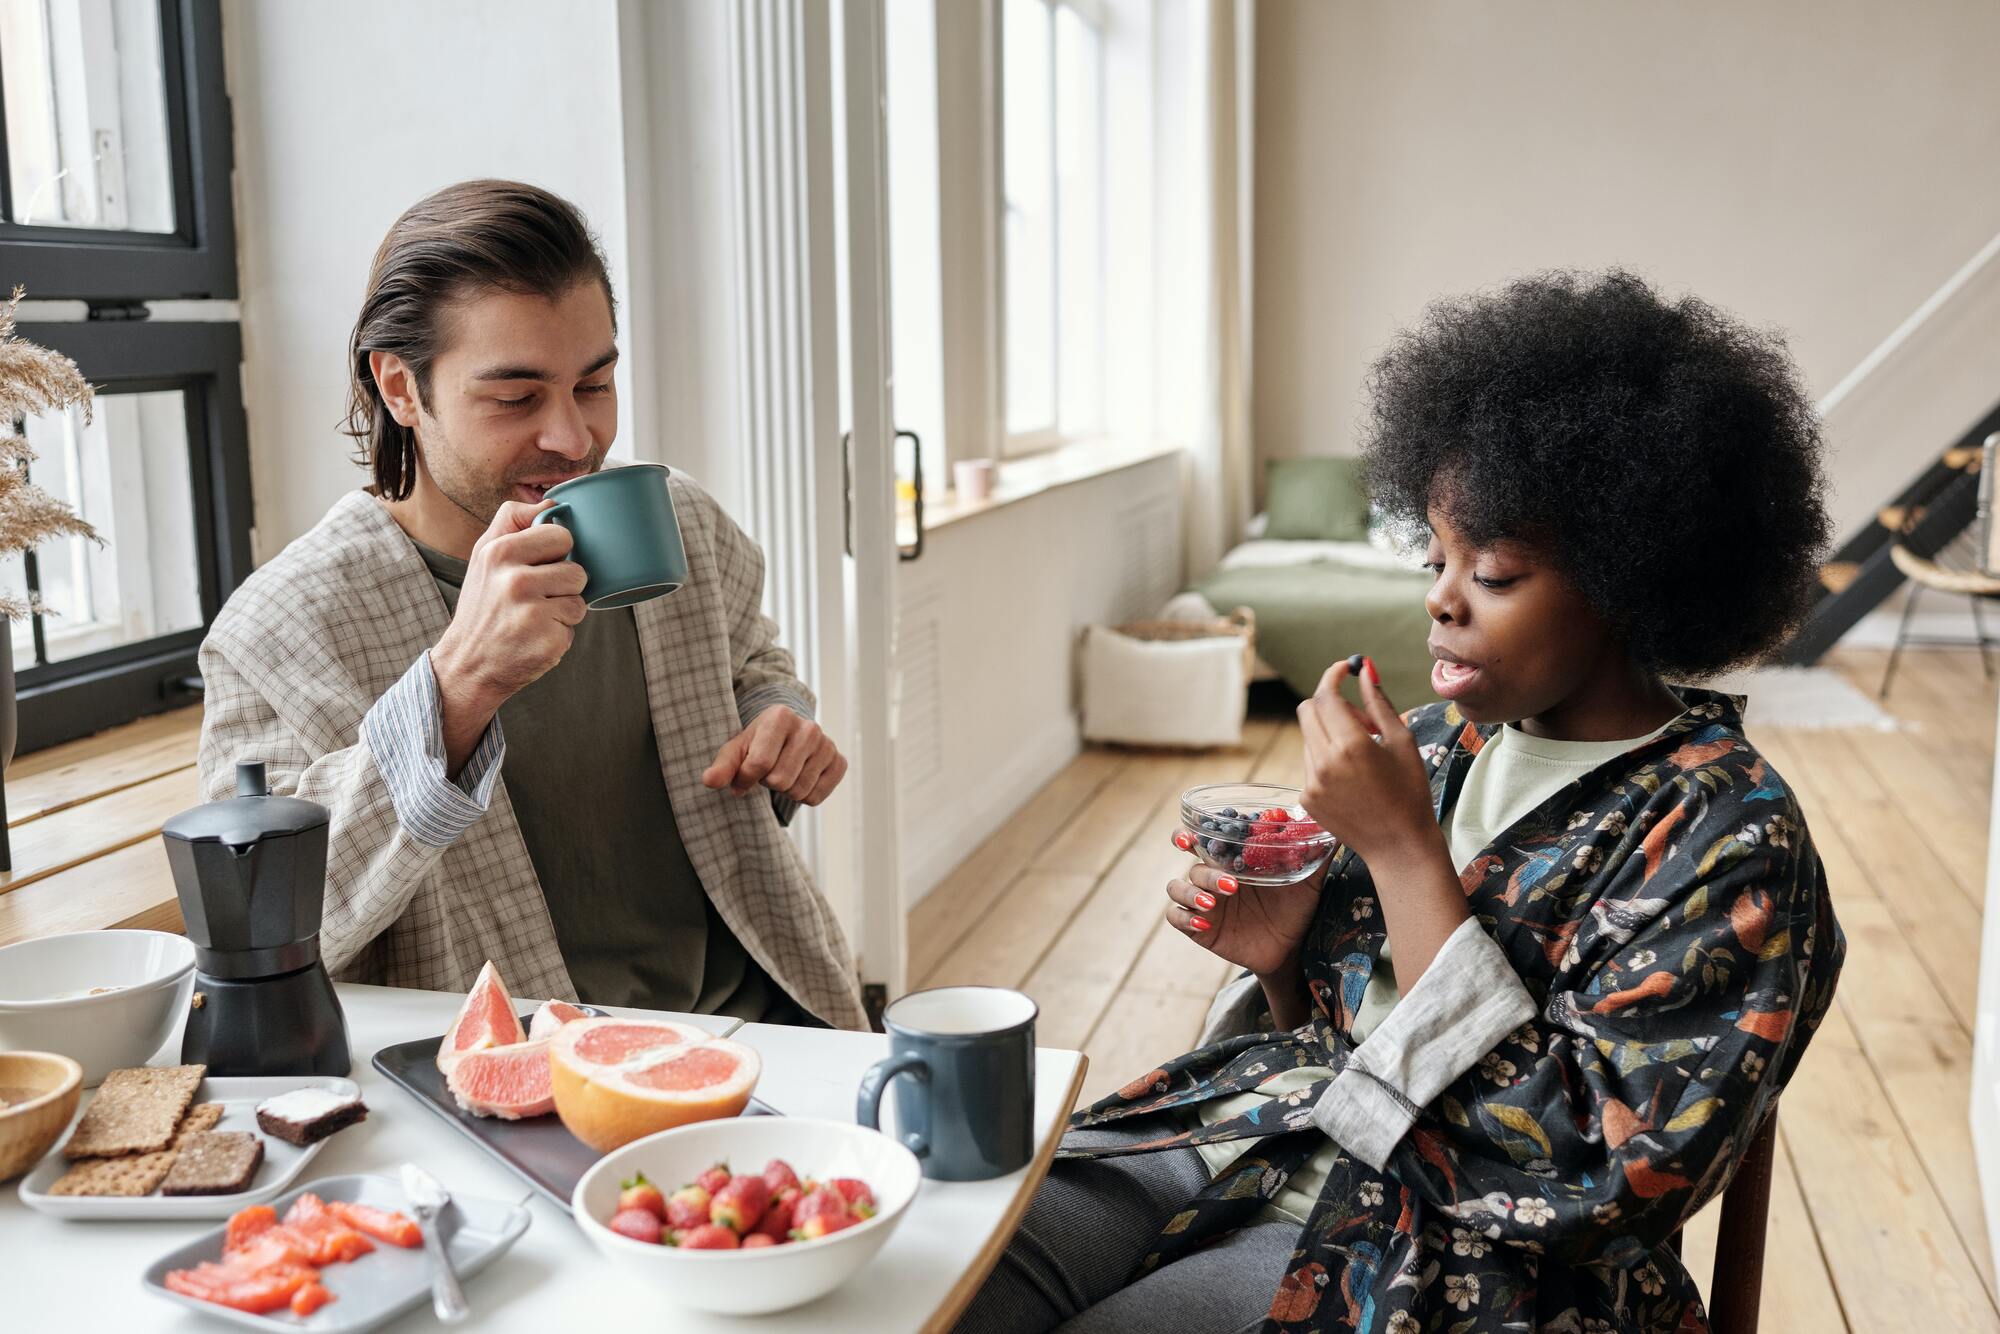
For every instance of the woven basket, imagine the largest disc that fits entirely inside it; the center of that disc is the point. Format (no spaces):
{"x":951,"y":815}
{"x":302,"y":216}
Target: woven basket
{"x":1241,"y":623}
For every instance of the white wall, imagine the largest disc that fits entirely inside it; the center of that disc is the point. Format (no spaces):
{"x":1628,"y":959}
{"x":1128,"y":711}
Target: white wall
{"x":987,"y":627}
{"x":345,"y":114}
{"x":1818,"y":165}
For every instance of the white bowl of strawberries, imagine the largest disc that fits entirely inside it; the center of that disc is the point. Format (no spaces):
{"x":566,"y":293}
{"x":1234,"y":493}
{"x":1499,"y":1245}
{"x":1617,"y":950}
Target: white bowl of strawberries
{"x":748,"y":1215}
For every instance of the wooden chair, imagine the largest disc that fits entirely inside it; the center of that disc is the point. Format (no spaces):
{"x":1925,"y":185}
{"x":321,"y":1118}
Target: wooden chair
{"x":1737,"y":1285}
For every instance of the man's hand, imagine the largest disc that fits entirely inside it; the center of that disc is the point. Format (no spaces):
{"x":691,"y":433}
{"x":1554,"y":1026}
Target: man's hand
{"x":782,"y":751}
{"x":517,"y":615}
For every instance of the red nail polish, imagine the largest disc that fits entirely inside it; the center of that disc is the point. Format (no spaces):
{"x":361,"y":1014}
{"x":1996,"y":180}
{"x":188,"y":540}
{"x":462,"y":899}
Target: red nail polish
{"x":1226,"y":883}
{"x":1183,"y":840}
{"x":1198,"y":923}
{"x":1204,"y":901}
{"x":1368,"y":665}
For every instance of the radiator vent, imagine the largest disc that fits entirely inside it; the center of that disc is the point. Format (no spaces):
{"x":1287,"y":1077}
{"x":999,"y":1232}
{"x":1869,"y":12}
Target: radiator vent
{"x":1149,"y":557}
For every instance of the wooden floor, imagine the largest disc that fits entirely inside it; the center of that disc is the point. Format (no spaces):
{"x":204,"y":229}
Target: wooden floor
{"x":1876,"y":1222}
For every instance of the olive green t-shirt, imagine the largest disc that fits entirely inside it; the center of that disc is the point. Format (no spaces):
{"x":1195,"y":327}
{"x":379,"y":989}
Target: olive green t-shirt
{"x":582,"y":770}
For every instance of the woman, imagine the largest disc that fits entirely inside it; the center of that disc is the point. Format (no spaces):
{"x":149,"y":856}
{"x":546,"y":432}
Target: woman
{"x":1576,"y":939}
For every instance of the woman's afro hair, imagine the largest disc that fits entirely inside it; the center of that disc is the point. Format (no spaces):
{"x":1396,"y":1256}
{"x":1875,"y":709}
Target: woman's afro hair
{"x":1663,"y":452}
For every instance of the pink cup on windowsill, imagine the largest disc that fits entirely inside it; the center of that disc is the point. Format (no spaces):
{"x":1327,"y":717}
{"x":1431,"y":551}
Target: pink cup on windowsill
{"x":974,"y":478}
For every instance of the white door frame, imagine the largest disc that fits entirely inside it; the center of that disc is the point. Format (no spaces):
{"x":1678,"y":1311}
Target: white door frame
{"x":871,"y":592}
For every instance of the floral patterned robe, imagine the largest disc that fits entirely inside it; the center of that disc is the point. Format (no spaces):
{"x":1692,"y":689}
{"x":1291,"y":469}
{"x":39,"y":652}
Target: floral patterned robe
{"x":1670,"y":919}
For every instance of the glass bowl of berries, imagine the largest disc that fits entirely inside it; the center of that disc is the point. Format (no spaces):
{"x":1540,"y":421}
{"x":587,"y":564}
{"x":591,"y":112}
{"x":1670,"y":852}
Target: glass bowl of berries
{"x":1257,"y":832}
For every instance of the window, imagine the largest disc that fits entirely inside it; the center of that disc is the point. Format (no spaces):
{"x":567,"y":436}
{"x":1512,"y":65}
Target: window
{"x":114,"y":190}
{"x":1052,"y":166}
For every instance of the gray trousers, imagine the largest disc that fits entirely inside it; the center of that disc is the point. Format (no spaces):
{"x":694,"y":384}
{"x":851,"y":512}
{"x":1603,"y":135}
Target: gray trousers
{"x":1087,"y":1229}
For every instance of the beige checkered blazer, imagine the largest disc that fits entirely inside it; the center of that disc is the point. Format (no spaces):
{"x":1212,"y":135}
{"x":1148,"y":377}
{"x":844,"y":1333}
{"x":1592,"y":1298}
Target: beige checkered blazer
{"x":336,"y":630}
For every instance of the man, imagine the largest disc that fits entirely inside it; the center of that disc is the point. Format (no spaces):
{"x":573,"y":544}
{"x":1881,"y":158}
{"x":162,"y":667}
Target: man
{"x":592,"y":800}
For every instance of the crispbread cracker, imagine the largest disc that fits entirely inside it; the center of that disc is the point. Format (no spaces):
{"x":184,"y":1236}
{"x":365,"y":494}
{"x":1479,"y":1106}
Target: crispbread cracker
{"x":219,"y":1162}
{"x":134,"y":1174}
{"x":136,"y":1111}
{"x":200,"y":1118}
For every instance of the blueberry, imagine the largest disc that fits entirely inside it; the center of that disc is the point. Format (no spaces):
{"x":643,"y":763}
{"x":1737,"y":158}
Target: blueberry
{"x":1229,"y":812}
{"x":1237,"y":864}
{"x":1354,"y":663}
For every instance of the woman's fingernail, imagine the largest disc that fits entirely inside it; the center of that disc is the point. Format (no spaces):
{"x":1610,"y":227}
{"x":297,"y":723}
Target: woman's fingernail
{"x":1226,"y":883}
{"x":1184,"y":840}
{"x":1198,"y":923}
{"x":1204,"y":901}
{"x":1368,"y":666}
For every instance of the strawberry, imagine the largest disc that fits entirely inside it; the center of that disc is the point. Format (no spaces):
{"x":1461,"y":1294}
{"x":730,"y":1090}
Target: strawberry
{"x":639,"y":1193}
{"x":714,"y":1179}
{"x":687,"y":1207}
{"x":638,"y":1224}
{"x":738,"y":1205}
{"x":778,"y":1174}
{"x":856,"y":1193}
{"x":756,"y":1239}
{"x":777,"y":1220}
{"x":822,"y":1212}
{"x":710,"y":1237}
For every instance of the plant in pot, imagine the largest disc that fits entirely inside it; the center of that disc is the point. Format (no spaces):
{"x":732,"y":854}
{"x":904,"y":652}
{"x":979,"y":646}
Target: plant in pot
{"x":33,"y":380}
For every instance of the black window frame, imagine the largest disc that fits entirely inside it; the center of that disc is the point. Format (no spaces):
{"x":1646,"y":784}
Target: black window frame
{"x":119,"y":347}
{"x":77,"y":696}
{"x":195,"y":260}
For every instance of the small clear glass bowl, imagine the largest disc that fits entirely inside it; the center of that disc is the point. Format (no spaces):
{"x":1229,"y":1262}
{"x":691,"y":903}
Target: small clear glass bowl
{"x":1219,"y":824}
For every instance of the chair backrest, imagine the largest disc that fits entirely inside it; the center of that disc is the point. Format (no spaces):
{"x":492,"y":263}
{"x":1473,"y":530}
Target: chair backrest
{"x":1737,"y":1285}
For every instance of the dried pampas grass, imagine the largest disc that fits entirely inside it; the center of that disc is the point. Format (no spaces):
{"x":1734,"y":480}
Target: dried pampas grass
{"x":32,"y":380}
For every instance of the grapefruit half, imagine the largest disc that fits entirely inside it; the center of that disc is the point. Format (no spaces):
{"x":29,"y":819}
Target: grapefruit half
{"x":616,"y":1080}
{"x":487,"y":1019}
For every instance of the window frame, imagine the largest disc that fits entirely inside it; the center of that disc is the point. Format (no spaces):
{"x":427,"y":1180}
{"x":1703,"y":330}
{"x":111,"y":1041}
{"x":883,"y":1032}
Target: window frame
{"x":77,"y":696}
{"x":198,"y":258}
{"x":1042,"y":439}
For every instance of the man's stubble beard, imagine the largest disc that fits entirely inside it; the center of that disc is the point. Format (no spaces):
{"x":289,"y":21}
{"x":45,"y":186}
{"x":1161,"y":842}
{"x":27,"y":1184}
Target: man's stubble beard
{"x":477,"y":497}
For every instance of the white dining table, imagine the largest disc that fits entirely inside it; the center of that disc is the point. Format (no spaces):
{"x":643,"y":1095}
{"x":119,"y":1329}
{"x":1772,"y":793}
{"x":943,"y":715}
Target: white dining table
{"x":58,"y":1274}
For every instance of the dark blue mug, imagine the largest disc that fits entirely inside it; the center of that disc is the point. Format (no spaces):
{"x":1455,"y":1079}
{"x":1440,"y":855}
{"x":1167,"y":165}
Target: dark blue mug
{"x":963,"y":1059}
{"x":627,"y":536}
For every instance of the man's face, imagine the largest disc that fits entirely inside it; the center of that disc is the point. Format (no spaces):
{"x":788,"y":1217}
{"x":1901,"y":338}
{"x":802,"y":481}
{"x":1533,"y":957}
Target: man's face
{"x":521,"y":397}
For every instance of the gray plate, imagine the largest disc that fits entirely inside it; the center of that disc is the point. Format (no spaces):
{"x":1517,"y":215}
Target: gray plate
{"x":379,"y":1286}
{"x":539,"y":1148}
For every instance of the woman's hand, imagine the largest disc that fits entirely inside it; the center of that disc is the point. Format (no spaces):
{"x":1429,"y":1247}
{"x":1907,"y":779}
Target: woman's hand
{"x":1373,"y":795}
{"x":1259,"y":928}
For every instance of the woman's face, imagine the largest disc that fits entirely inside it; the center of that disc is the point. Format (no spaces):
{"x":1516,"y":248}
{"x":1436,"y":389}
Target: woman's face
{"x":1512,"y":636}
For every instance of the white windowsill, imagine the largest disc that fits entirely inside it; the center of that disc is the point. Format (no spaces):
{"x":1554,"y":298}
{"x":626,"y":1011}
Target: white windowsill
{"x":1024,"y":478}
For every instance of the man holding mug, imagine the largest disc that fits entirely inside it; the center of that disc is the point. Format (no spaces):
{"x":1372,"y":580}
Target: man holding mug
{"x":593,"y":799}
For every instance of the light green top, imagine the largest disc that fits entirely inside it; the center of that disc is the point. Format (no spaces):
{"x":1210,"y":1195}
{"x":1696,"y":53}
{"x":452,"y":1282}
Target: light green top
{"x":1509,"y":777}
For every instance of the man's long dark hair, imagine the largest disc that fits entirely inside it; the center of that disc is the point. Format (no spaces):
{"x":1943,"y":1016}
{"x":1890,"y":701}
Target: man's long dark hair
{"x":477,"y":234}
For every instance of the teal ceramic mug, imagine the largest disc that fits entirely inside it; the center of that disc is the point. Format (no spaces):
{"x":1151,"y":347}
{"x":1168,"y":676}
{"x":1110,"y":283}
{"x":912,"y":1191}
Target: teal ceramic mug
{"x":628,"y":539}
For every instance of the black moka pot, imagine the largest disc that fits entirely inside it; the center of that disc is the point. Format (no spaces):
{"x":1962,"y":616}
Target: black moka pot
{"x":251,"y":874}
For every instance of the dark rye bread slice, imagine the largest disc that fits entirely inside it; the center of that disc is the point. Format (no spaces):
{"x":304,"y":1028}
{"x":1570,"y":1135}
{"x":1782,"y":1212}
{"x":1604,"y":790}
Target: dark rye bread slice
{"x":308,"y":1115}
{"x":135,"y":1111}
{"x":215,"y":1162}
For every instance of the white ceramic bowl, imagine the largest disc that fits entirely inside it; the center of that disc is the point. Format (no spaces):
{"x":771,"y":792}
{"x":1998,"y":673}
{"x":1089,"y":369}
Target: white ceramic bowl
{"x":46,"y":1005}
{"x":772,"y":1278}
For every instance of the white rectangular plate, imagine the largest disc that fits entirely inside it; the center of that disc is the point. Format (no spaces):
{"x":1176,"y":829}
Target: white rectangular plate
{"x":239,"y":1098}
{"x":379,"y":1286}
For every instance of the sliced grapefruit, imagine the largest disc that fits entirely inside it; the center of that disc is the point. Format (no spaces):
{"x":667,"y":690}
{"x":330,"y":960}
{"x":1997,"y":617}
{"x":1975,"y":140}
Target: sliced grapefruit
{"x":618,"y":1079}
{"x":552,"y":1016}
{"x":508,"y":1082}
{"x":487,"y":1019}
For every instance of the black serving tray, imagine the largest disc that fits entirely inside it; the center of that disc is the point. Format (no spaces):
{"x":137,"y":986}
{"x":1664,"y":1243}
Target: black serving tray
{"x":538,"y":1149}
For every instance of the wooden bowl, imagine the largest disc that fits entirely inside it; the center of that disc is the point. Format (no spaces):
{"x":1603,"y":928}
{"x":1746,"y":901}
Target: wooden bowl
{"x":29,"y":1128}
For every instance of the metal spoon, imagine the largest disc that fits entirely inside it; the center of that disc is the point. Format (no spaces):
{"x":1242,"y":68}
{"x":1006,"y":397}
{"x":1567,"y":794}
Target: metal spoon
{"x":429,"y":1197}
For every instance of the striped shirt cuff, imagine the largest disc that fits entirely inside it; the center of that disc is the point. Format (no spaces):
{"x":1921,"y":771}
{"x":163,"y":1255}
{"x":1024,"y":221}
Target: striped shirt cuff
{"x":1459,"y":1010}
{"x":760,"y":698}
{"x":404,"y":731}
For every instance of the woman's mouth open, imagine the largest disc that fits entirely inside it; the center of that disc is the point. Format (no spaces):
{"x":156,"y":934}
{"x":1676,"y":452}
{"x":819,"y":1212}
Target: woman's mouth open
{"x":1451,"y":678}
